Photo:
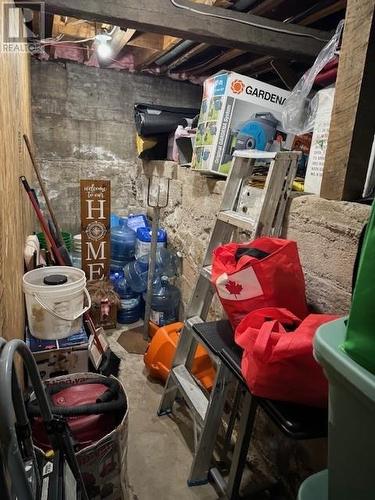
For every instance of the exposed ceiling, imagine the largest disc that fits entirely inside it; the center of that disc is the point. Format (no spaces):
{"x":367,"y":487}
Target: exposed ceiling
{"x":76,"y":39}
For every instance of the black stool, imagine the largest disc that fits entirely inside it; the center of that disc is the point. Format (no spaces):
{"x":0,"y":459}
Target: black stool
{"x":295,"y":421}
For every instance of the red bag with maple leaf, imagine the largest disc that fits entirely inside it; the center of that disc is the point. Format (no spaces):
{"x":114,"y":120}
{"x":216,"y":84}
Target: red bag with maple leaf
{"x":278,"y":362}
{"x":263,"y":273}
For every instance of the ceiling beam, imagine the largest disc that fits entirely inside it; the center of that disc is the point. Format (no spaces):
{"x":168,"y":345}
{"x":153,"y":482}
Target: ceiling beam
{"x":161,"y":16}
{"x":265,"y":7}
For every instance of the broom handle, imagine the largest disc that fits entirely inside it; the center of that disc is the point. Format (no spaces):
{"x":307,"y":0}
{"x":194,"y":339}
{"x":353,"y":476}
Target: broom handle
{"x":42,"y":222}
{"x":42,"y":188}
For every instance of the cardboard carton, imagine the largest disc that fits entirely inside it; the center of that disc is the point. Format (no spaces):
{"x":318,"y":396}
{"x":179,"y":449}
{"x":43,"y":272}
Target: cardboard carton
{"x":59,"y":357}
{"x":237,"y":112}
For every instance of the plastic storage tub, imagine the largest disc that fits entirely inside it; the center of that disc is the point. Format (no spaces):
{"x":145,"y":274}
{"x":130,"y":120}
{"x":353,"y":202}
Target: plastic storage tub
{"x":315,"y":487}
{"x":351,"y":431}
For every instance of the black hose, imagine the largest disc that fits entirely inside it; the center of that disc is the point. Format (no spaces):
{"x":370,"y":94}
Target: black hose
{"x":112,"y":400}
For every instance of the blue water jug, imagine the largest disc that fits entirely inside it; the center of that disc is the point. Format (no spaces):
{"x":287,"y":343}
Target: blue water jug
{"x":115,"y":219}
{"x":135,"y":221}
{"x":115,"y":275}
{"x":165,"y":302}
{"x":136,"y":272}
{"x":143,"y":243}
{"x":122,"y":242}
{"x":167,"y":263}
{"x":130,"y":303}
{"x":118,"y":265}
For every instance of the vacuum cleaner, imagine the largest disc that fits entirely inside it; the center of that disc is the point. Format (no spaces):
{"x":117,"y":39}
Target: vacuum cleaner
{"x":25,"y":472}
{"x":92,"y":409}
{"x":40,"y":434}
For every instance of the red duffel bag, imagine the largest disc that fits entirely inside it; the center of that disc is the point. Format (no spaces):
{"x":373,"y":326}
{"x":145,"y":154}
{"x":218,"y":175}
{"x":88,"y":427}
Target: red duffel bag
{"x":278,"y":361}
{"x":265,"y":272}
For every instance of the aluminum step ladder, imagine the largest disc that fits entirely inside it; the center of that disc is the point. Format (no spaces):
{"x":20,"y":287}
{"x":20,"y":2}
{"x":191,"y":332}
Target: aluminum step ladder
{"x":207,"y":409}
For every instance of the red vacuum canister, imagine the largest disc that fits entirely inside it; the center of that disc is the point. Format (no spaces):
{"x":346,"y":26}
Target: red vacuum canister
{"x":91,"y":411}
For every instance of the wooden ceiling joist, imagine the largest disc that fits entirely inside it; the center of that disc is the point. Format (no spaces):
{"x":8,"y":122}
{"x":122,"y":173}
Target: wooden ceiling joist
{"x":161,"y":16}
{"x":194,"y":51}
{"x":265,"y":7}
{"x":148,"y":58}
{"x":327,"y":11}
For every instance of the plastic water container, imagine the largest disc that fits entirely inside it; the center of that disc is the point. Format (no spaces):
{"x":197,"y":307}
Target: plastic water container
{"x":130,"y":303}
{"x":165,"y":302}
{"x":115,"y":276}
{"x":167,"y":263}
{"x":115,"y":219}
{"x":55,"y":301}
{"x":118,"y":265}
{"x":136,"y":221}
{"x":76,"y":253}
{"x":122,"y":242}
{"x":136,"y":274}
{"x":143,"y":243}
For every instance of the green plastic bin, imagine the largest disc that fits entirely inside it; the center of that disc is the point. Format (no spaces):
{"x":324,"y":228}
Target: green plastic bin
{"x":351,"y":429}
{"x":315,"y":487}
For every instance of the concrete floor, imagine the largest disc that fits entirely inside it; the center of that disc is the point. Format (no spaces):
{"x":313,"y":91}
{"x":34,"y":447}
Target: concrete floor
{"x":159,"y":457}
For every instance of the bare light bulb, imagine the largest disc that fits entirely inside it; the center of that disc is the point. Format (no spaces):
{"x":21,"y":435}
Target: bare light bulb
{"x":103,"y":49}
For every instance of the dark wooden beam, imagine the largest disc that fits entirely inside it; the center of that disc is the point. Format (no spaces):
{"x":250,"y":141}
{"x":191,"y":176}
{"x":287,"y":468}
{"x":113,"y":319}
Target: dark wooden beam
{"x":265,"y":7}
{"x":320,"y":14}
{"x":161,"y":16}
{"x":194,"y":51}
{"x":353,"y":116}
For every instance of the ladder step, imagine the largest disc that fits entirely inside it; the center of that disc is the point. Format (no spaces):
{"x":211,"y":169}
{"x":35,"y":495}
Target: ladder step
{"x":193,"y":395}
{"x":190,"y":322}
{"x":255,"y":154}
{"x":236,"y":219}
{"x":206,"y":272}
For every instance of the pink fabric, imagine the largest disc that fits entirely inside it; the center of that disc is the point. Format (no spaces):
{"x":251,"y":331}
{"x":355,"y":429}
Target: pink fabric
{"x":71,"y":51}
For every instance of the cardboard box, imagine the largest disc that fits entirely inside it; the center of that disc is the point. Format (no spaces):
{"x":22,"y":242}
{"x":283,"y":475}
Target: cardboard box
{"x":60,"y":357}
{"x":315,"y":165}
{"x":237,"y":112}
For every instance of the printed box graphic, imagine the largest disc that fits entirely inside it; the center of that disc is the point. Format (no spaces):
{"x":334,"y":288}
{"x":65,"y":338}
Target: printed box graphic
{"x":237,"y":112}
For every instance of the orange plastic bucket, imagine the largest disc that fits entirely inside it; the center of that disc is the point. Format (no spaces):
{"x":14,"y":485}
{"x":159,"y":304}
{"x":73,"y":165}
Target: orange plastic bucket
{"x":160,"y":352}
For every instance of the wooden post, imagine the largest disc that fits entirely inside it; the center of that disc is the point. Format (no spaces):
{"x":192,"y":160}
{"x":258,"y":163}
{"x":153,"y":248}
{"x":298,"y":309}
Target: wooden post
{"x":353,"y":116}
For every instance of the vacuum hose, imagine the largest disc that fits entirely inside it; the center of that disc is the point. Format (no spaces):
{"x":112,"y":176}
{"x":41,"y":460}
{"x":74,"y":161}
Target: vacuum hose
{"x":112,"y":400}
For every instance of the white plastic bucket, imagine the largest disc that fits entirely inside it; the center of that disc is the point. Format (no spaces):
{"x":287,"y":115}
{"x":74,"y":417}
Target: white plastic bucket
{"x":55,"y":312}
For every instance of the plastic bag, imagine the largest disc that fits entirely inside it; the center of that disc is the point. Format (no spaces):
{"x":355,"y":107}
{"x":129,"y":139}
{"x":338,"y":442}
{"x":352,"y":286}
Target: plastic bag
{"x":278,"y":362}
{"x":299,"y":110}
{"x":264,"y":272}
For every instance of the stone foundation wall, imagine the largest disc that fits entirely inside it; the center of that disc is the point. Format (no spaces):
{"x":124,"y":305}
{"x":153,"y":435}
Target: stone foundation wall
{"x":83,"y":128}
{"x":326,"y":233}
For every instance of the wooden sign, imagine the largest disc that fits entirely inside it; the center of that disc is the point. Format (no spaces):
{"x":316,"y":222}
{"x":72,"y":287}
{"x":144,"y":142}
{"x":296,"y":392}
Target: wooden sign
{"x":95,"y":228}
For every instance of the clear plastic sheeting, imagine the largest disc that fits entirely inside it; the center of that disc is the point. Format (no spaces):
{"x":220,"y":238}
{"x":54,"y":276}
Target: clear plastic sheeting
{"x":299,"y":110}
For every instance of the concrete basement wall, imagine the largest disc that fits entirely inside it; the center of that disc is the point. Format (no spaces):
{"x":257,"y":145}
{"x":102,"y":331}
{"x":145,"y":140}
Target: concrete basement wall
{"x":326,"y":233}
{"x":84,"y":128}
